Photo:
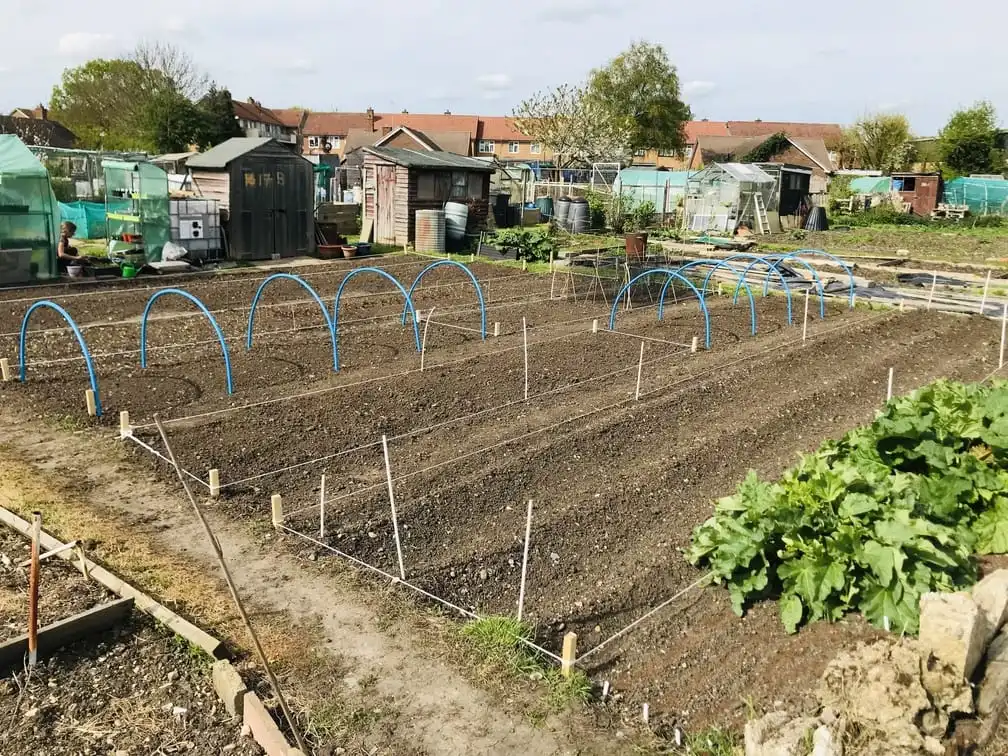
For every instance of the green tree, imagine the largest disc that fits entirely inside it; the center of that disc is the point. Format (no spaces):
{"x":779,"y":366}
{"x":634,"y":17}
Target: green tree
{"x":882,"y":142}
{"x":639,"y":89}
{"x":968,"y":142}
{"x":172,"y":122}
{"x":219,"y":121}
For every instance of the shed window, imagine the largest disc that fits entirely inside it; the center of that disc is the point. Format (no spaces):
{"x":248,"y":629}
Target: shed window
{"x":426,"y":187}
{"x":475,"y":185}
{"x":249,"y":178}
{"x":486,"y":146}
{"x":459,"y":187}
{"x":513,"y":148}
{"x":910,"y":184}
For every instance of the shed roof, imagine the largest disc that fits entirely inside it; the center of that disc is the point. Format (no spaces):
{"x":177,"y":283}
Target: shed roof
{"x":225,"y":152}
{"x":16,"y":159}
{"x":746,"y":172}
{"x":427,"y":159}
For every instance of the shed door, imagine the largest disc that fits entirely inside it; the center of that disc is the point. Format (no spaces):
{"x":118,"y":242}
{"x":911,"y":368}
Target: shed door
{"x":259,"y":209}
{"x":385,"y":180}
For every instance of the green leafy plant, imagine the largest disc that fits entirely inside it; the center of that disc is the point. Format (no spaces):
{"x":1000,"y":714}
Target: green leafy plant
{"x":773,"y":146}
{"x":872,"y":521}
{"x":643,"y":215}
{"x":529,"y":245}
{"x":619,"y":209}
{"x":596,"y":208}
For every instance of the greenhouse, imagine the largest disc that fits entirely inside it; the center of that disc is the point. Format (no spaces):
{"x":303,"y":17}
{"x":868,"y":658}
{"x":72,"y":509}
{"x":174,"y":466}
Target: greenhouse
{"x":724,"y":195}
{"x":661,"y":188}
{"x":136,"y":208}
{"x":871,"y":185}
{"x":29,"y":216}
{"x":983,"y":196}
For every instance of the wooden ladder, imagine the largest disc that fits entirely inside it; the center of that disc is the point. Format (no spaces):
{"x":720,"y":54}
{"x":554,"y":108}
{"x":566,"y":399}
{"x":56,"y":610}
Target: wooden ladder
{"x":761,"y":216}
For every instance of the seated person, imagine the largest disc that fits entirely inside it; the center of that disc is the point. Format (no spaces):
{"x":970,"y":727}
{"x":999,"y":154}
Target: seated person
{"x":66,"y":253}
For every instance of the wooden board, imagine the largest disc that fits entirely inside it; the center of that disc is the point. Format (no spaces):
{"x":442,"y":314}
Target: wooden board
{"x":367,"y":227}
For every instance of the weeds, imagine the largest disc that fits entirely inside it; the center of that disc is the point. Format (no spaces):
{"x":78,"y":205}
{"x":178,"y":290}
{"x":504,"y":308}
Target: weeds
{"x":713,"y":742}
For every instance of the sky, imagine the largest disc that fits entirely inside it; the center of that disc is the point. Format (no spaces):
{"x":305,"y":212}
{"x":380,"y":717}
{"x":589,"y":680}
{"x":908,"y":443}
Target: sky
{"x":737,"y":59}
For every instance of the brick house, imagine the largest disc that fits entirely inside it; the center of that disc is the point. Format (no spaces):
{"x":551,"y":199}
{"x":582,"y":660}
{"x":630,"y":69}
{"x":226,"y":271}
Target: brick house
{"x":34,"y":127}
{"x":255,"y":121}
{"x":810,"y":153}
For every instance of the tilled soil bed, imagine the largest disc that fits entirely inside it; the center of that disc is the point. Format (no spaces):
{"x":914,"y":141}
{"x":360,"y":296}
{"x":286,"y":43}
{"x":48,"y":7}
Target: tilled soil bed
{"x":136,"y":689}
{"x":618,"y":484}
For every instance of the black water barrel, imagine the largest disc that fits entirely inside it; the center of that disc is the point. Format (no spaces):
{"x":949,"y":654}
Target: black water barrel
{"x":578,"y":218}
{"x":561,"y":211}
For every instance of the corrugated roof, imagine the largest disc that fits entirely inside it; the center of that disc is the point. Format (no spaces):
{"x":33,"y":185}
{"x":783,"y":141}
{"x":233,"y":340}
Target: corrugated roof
{"x":225,"y":152}
{"x":425,"y":159}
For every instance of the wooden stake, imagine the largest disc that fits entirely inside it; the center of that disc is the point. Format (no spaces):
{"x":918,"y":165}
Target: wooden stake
{"x":321,"y":510}
{"x":569,"y":654}
{"x":125,"y":429}
{"x":595,"y":325}
{"x":423,"y":344}
{"x":888,"y":393}
{"x":645,"y":713}
{"x":395,"y":519}
{"x":525,"y":343}
{"x":214,"y":483}
{"x":83,"y":561}
{"x":983,"y":299}
{"x":496,"y":329}
{"x":215,"y":544}
{"x":276,"y":503}
{"x":33,"y":589}
{"x":1004,"y":322}
{"x":901,"y":305}
{"x":804,"y":327}
{"x":640,"y":369}
{"x":89,"y":400}
{"x":525,"y":555}
{"x":934,"y":283}
{"x":695,"y":343}
{"x":5,"y":372}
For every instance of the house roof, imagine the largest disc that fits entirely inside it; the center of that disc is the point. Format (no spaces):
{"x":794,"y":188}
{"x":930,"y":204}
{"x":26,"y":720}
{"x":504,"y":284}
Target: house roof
{"x":335,"y":124}
{"x":697,"y":129}
{"x":427,"y":159}
{"x":253,"y":111}
{"x":290,"y":117}
{"x":713,"y":149}
{"x":500,"y":129}
{"x":431,"y":122}
{"x":419,"y":137}
{"x":815,"y":150}
{"x":225,"y":152}
{"x":38,"y":132}
{"x":16,"y":159}
{"x":822,"y":131}
{"x":357,"y":138}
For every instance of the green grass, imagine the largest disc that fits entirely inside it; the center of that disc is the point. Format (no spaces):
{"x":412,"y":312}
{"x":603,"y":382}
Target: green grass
{"x":711,"y":742}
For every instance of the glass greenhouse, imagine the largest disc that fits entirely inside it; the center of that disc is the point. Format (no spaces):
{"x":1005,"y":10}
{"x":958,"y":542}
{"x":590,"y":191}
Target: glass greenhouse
{"x":723,"y":195}
{"x":29,"y":216}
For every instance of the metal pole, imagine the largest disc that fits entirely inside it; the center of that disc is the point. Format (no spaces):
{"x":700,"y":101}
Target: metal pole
{"x":983,"y":299}
{"x":524,"y":572}
{"x":395,"y":518}
{"x":298,"y":739}
{"x":640,"y":368}
{"x":423,"y":344}
{"x":33,"y":589}
{"x":525,"y":343}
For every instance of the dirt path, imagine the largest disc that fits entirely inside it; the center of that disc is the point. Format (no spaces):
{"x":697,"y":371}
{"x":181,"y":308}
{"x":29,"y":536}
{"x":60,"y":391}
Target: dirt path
{"x":417,"y":702}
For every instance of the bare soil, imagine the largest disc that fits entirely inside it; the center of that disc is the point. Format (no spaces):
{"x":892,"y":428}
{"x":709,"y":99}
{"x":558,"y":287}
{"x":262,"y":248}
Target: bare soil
{"x":618,"y":484}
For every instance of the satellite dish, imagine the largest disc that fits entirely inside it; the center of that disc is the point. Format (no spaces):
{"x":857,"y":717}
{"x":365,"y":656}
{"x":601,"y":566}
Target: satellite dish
{"x":327,"y":147}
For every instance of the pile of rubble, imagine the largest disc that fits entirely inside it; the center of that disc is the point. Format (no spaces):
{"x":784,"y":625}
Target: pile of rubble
{"x":941,"y":694}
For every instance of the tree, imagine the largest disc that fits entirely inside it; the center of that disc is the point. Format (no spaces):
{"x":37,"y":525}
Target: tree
{"x":883,"y":142}
{"x":968,"y":142}
{"x":639,"y":90}
{"x":572,"y":126}
{"x":219,"y":121}
{"x":172,"y":122}
{"x":170,"y":65}
{"x":101,"y":103}
{"x":848,"y":149}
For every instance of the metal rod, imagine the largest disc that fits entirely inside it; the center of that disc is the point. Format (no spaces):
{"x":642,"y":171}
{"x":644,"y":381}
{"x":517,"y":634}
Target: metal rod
{"x":33,"y":589}
{"x":983,"y":299}
{"x":423,"y":344}
{"x":525,"y":555}
{"x":395,"y":518}
{"x":525,"y":344}
{"x":298,"y":739}
{"x":640,"y":368}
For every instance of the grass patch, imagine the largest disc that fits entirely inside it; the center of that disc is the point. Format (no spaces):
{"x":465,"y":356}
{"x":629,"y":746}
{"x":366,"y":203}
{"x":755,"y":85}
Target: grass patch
{"x":713,"y":741}
{"x":502,"y":641}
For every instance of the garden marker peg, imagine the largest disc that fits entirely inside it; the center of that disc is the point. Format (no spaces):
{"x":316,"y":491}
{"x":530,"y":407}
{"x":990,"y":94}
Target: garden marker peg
{"x":888,"y":393}
{"x":395,"y":518}
{"x":33,"y":589}
{"x":901,"y":305}
{"x":496,"y":329}
{"x":525,"y":556}
{"x":605,"y":690}
{"x":276,"y":504}
{"x":321,"y":510}
{"x":125,"y":429}
{"x":89,"y":400}
{"x":983,"y":299}
{"x":5,"y":369}
{"x":694,"y":344}
{"x":640,"y":368}
{"x":568,"y":655}
{"x":645,"y":713}
{"x":214,"y":483}
{"x":934,"y":283}
{"x":804,"y":327}
{"x":423,"y":343}
{"x":595,"y":325}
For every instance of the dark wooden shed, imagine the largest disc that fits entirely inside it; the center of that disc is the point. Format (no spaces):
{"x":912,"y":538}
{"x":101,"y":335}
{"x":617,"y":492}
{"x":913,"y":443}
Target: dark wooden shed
{"x":921,"y":191}
{"x":266,"y":195}
{"x":398,"y":182}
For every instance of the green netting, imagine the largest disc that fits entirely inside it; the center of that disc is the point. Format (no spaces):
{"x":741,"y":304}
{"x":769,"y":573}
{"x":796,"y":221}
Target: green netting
{"x":982,"y":196}
{"x":143,"y":188}
{"x":29,"y":216}
{"x":870,"y":185}
{"x":89,"y":217}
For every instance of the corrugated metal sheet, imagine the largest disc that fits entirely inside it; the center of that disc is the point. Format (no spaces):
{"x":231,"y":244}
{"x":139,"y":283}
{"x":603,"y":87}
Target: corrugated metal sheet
{"x":432,"y":160}
{"x":225,"y":152}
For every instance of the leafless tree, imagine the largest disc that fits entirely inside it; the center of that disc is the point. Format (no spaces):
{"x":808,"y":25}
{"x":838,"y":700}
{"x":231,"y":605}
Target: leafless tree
{"x":173,"y":66}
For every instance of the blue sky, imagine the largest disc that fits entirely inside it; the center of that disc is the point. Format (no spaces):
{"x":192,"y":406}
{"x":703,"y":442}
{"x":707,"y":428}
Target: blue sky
{"x":737,"y":59}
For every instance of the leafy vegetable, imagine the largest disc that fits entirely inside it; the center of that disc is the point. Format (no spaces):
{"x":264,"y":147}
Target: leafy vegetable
{"x":872,"y":521}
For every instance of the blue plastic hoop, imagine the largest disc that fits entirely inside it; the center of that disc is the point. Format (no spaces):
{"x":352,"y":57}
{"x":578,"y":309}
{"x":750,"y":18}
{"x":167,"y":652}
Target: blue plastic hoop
{"x":778,"y":260}
{"x":314,"y":295}
{"x":460,"y":266}
{"x":22,"y":354}
{"x":717,"y":264}
{"x":671,"y":274}
{"x":202,"y":307}
{"x":770,"y":266}
{"x":834,"y":258}
{"x":339,"y":293}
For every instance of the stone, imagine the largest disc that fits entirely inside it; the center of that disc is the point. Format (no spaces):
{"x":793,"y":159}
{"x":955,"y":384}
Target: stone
{"x":933,"y":746}
{"x":229,"y":686}
{"x":993,"y":689}
{"x":824,"y":744}
{"x":991,"y":596}
{"x":777,"y":734}
{"x":953,"y":630}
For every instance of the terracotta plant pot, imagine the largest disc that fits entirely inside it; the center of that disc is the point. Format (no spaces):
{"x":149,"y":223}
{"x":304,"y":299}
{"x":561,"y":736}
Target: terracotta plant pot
{"x":636,"y":245}
{"x":349,"y":251}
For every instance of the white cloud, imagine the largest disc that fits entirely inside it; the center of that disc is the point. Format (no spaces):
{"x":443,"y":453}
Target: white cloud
{"x":698,"y":88}
{"x":76,"y":44}
{"x":495,"y":82}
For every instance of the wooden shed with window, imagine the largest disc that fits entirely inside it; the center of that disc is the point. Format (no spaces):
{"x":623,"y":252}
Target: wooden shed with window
{"x":399,"y":181}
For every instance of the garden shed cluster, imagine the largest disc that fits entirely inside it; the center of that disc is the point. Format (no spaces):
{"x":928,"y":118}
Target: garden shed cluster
{"x":29,"y":216}
{"x":399,"y":181}
{"x":265,"y":193}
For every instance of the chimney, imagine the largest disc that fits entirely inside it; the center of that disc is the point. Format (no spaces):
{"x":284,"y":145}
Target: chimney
{"x":370,"y":118}
{"x":405,"y":112}
{"x":447,"y":112}
{"x":251,"y":100}
{"x":41,"y":112}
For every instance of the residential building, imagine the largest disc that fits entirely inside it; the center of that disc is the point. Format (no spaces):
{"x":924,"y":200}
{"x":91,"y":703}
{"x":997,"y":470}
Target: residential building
{"x":256,"y":121}
{"x":326,"y":133}
{"x":499,"y":138}
{"x":34,"y":127}
{"x":808,"y":153}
